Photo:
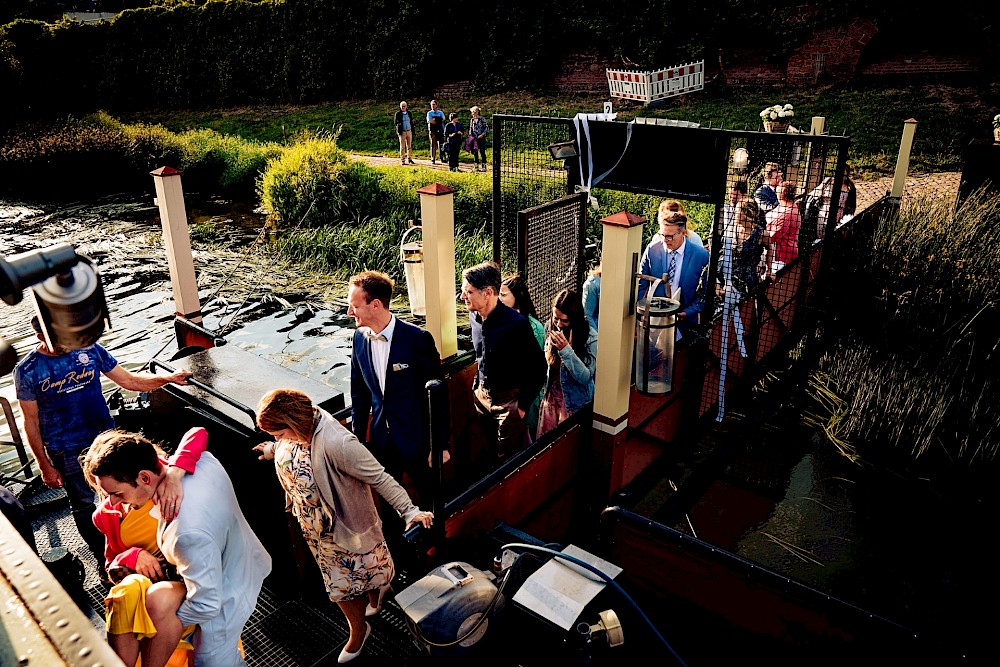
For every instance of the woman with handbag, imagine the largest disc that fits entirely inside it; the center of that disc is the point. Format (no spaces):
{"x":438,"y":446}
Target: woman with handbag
{"x":478,"y":129}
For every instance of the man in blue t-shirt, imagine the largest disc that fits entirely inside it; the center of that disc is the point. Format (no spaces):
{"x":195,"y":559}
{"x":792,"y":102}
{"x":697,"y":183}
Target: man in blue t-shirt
{"x":60,"y":395}
{"x":435,"y":131}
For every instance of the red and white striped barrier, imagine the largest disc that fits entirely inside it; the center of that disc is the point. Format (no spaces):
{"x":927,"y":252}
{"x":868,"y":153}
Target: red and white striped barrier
{"x":651,"y":86}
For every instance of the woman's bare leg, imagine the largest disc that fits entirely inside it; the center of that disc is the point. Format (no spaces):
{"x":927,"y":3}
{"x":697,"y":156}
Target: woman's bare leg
{"x":354,"y":610}
{"x":162,"y":601}
{"x":126,"y":646}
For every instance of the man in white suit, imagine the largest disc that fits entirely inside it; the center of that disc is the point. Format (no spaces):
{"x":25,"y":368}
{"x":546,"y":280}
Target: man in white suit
{"x":218,"y":556}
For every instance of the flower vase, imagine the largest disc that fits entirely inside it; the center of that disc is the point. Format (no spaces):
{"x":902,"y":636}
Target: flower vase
{"x":780,"y":126}
{"x":996,"y":135}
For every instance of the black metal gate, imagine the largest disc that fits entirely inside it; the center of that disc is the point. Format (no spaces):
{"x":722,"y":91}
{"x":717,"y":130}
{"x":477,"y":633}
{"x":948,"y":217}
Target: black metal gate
{"x":550,"y":240}
{"x":524,"y":175}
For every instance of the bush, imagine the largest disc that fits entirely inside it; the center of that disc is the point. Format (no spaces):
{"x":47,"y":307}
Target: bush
{"x":99,"y":155}
{"x":225,"y":164}
{"x":305,"y":184}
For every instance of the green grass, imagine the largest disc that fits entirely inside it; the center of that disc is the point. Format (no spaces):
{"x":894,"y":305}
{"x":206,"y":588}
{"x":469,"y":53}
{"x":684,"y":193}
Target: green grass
{"x":948,"y":118}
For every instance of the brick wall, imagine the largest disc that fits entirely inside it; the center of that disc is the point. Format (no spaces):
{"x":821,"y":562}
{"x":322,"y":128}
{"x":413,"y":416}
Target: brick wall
{"x":923,"y":63}
{"x":583,"y":72}
{"x":830,"y":54}
{"x":453,"y":89}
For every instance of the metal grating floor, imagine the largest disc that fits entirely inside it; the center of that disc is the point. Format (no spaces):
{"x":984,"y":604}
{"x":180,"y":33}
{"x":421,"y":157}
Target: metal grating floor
{"x":298,"y":632}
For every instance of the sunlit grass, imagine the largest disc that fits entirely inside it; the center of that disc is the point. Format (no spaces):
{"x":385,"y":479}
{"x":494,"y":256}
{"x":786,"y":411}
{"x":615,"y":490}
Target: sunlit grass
{"x":872,"y":116}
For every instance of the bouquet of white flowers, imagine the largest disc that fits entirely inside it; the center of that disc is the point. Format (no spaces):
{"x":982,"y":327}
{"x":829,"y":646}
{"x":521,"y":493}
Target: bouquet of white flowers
{"x":777,"y":118}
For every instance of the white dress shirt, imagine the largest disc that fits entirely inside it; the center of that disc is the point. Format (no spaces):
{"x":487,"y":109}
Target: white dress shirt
{"x":380,"y":352}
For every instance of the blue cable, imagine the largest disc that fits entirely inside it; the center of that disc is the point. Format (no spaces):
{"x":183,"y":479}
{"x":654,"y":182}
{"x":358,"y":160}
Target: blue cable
{"x":591,"y":568}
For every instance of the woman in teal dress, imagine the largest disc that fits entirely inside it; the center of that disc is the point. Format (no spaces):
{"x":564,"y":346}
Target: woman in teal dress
{"x":514,"y":294}
{"x":328,"y":477}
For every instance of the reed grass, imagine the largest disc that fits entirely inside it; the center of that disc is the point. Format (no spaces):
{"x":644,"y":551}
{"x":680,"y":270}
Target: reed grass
{"x":349,"y":247}
{"x":916,"y":365}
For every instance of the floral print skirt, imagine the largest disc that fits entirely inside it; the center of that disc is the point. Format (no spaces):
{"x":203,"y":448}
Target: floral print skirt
{"x":349,"y":575}
{"x":346,"y":575}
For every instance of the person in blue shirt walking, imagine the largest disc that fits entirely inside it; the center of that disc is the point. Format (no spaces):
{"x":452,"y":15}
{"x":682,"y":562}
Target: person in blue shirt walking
{"x":436,"y":121}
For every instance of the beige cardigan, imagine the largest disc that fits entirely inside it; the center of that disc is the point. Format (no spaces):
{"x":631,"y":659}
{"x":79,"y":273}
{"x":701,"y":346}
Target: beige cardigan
{"x":345,"y":472}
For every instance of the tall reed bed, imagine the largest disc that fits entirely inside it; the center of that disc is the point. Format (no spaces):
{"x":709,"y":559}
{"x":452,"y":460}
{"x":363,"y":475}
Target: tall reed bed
{"x":917,"y":322}
{"x":348,"y":247}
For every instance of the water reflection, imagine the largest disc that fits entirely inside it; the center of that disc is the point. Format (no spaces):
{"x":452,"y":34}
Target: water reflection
{"x":122,"y":237}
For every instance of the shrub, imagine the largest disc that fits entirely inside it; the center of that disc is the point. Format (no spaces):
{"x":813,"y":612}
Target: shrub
{"x":225,"y":164}
{"x":304,"y":184}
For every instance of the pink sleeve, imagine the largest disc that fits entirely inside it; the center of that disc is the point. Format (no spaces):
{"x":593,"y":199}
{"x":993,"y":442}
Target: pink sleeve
{"x":189,"y":451}
{"x":108,"y":521}
{"x":126,"y":558}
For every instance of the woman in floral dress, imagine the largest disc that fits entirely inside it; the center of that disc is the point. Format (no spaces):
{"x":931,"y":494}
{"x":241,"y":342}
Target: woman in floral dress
{"x":328,"y":475}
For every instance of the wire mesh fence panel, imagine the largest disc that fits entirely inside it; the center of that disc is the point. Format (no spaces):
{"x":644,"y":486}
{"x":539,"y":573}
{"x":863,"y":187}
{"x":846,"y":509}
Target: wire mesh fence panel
{"x":780,"y":206}
{"x":551,"y":239}
{"x":525,"y":174}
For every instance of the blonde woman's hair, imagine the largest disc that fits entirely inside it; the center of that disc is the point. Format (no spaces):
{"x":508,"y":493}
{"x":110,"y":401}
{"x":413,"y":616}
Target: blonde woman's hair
{"x":475,"y":109}
{"x":287,"y":408}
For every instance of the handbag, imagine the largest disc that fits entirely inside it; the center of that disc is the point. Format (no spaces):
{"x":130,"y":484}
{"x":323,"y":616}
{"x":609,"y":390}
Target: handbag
{"x":471,"y":144}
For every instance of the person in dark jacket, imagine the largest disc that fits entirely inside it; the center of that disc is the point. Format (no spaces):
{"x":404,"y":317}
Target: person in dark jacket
{"x":510,"y":364}
{"x":455,"y":134}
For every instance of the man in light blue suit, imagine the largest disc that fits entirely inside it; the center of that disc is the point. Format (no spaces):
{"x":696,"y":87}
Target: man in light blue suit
{"x":391,"y":363}
{"x":683,"y":263}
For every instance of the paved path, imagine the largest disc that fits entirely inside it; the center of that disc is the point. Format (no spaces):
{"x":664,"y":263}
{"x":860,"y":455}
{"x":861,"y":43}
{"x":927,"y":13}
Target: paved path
{"x":944,"y":184}
{"x":420,"y":162}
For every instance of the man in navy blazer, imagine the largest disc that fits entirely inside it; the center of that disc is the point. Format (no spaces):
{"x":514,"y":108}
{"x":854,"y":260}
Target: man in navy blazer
{"x":391,"y":362}
{"x":690,"y":262}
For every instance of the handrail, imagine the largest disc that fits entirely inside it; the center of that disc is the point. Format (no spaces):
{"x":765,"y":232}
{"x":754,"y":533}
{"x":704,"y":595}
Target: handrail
{"x":208,"y":390}
{"x":15,"y":435}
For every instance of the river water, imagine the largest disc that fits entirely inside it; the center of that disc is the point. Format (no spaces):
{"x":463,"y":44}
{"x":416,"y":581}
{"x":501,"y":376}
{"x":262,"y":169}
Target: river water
{"x":263,"y":306}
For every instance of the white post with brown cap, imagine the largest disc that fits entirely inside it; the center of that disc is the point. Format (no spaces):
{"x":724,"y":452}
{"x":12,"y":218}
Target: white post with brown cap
{"x":622,"y":241}
{"x":173,"y":218}
{"x":437,"y":213}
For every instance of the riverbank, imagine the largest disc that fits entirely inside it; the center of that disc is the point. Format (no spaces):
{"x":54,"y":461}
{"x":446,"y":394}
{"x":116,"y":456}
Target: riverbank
{"x":872,"y":116}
